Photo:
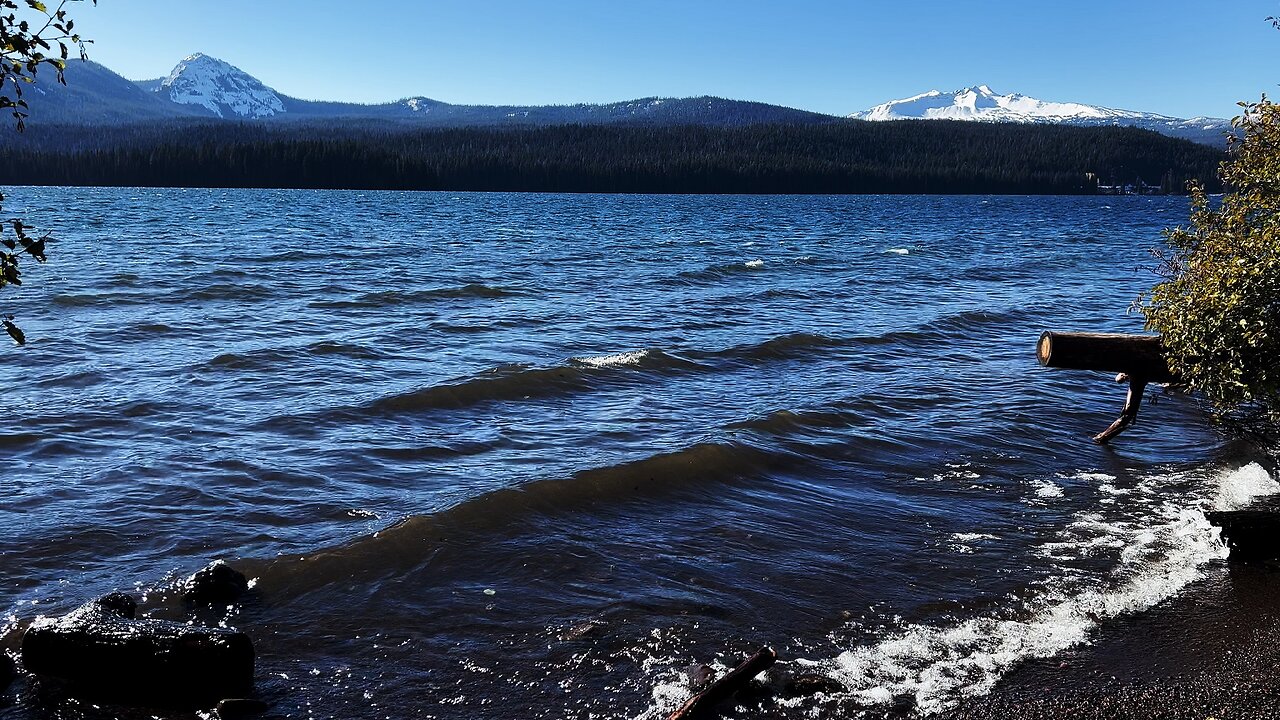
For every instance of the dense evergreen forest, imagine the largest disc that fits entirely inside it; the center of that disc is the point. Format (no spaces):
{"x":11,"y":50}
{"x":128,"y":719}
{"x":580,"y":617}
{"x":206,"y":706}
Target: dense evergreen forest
{"x":839,"y":157}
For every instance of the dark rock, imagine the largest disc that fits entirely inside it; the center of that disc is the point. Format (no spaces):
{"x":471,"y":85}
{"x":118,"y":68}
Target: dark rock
{"x":699,"y":676}
{"x":1251,"y":534}
{"x":217,"y":584}
{"x":99,"y":648}
{"x":7,"y":671}
{"x":236,"y":708}
{"x":118,"y":604}
{"x":811,"y":684}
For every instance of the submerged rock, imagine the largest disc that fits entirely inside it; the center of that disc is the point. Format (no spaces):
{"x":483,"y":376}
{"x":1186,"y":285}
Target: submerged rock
{"x":699,"y":676}
{"x":101,"y":648}
{"x":811,"y":684}
{"x":217,"y":584}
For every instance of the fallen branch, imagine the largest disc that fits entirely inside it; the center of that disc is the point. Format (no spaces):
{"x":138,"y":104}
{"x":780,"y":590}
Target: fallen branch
{"x":704,"y":703}
{"x":1139,"y":359}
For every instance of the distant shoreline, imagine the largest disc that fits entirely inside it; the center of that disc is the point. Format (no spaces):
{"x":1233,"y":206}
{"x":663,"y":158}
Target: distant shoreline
{"x":870,"y":193}
{"x":921,"y":158}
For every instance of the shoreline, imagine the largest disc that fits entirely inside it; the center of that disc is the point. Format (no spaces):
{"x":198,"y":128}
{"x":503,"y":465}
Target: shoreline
{"x":1204,"y":653}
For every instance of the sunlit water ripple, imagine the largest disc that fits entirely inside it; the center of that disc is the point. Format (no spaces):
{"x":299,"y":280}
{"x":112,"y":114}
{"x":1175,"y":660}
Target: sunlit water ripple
{"x":505,"y":456}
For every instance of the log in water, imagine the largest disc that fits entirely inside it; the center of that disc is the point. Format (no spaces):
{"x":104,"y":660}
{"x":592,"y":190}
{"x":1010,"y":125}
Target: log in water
{"x":1138,"y":356}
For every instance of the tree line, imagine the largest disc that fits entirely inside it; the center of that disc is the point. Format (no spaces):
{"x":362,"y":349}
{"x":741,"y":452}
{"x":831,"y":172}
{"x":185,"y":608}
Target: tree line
{"x":843,"y":157}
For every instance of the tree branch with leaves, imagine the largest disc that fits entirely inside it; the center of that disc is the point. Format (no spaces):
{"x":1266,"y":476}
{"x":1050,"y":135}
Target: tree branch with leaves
{"x":32,"y":37}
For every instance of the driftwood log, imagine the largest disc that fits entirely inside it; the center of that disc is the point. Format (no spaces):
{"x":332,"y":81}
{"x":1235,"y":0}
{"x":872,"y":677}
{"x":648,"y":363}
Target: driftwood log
{"x":1139,"y":360}
{"x":703,"y":705}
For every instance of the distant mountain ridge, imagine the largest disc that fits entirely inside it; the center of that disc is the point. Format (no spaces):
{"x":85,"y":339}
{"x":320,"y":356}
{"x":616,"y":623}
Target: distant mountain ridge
{"x":982,"y":104}
{"x":204,"y":86}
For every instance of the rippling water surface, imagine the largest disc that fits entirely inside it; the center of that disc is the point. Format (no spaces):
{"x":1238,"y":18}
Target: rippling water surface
{"x":500,"y":456}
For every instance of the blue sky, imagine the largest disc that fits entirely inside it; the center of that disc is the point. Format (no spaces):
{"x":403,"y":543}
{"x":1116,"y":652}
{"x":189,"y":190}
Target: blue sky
{"x":1178,"y":57}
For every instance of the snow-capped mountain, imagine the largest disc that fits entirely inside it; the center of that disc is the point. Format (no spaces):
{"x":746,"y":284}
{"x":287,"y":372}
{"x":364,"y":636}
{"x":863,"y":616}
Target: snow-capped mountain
{"x":983,"y":104}
{"x":204,"y":86}
{"x":222,"y":88}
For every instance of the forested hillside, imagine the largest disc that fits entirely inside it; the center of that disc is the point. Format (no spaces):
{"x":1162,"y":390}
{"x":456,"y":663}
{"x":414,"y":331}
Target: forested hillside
{"x":841,"y":157}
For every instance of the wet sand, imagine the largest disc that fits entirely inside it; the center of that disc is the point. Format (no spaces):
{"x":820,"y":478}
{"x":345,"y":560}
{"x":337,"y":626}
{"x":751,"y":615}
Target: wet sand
{"x":1211,"y":652}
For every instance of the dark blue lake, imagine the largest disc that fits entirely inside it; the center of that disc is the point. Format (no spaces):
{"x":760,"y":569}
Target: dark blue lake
{"x":532,"y":456}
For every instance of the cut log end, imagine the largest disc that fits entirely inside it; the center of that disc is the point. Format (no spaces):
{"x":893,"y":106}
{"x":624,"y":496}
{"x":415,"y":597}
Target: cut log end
{"x":1044,"y":348}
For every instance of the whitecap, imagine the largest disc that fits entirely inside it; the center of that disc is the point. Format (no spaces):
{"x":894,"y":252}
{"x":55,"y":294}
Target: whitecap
{"x":634,"y":357}
{"x":1243,"y":486}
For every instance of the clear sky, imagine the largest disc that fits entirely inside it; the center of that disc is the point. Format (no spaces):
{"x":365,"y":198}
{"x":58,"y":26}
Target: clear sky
{"x":1178,"y":57}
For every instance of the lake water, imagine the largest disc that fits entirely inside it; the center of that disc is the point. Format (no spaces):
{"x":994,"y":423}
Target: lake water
{"x":532,"y":456}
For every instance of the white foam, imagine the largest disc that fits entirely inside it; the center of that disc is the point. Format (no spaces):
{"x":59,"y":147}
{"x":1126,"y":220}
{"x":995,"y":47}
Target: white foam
{"x":754,"y":263}
{"x":973,"y":537}
{"x":1046,"y":488}
{"x":634,"y":357}
{"x":1239,"y":488}
{"x":963,"y":542}
{"x":1157,"y":556}
{"x":1092,"y":477}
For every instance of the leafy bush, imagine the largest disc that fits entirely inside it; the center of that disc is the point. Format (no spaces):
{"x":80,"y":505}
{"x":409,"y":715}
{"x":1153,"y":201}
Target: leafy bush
{"x":1218,"y":307}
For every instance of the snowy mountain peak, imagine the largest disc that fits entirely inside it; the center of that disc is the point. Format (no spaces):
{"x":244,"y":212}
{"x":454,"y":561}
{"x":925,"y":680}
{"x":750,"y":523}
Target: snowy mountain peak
{"x":222,"y":88}
{"x":981,"y":103}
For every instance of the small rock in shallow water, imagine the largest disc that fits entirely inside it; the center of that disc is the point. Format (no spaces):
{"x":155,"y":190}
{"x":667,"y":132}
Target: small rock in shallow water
{"x":699,"y":676}
{"x":811,"y":684}
{"x":235,"y":708}
{"x":217,"y":584}
{"x":119,"y":604}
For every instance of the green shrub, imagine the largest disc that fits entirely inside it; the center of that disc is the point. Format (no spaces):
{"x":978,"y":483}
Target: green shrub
{"x":1218,"y":307}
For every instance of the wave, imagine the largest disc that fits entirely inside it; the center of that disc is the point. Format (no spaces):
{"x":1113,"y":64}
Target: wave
{"x":413,"y":541}
{"x":519,"y":381}
{"x":724,"y":270}
{"x":394,"y":298}
{"x":274,"y":358}
{"x":782,"y":422}
{"x":228,"y":291}
{"x":792,"y":345}
{"x":969,"y":321}
{"x":938,"y":665}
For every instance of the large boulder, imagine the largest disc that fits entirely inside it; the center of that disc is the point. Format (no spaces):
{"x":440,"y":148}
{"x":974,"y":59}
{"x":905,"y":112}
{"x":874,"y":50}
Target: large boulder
{"x":104,"y":649}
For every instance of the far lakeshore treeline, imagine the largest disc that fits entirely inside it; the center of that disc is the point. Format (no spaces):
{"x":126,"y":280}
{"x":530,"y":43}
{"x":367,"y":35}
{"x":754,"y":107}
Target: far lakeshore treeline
{"x":844,"y":157}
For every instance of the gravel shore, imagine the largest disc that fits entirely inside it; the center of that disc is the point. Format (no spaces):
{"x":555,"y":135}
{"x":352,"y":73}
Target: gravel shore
{"x":1211,"y":652}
